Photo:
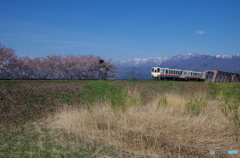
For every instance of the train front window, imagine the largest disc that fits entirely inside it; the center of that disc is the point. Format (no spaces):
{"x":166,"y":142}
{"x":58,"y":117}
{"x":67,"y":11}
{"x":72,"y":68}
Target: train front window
{"x":158,"y":70}
{"x":152,"y":69}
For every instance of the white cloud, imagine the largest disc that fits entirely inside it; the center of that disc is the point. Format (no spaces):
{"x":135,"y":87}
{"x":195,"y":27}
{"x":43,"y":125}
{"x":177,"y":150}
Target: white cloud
{"x":200,"y":32}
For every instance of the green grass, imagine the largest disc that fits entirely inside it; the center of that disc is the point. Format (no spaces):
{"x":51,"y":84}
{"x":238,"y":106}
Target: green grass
{"x":230,"y":95}
{"x":163,"y":101}
{"x":64,"y":97}
{"x":12,"y":83}
{"x":66,"y":81}
{"x":195,"y":105}
{"x":103,"y":91}
{"x":37,"y":141}
{"x":226,"y":90}
{"x":166,"y":87}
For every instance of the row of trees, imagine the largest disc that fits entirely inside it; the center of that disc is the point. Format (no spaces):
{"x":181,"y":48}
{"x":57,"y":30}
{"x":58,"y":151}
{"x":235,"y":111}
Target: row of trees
{"x":53,"y":67}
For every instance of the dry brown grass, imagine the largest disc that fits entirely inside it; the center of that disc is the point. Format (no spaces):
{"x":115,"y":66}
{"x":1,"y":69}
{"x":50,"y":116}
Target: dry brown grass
{"x":161,"y":128}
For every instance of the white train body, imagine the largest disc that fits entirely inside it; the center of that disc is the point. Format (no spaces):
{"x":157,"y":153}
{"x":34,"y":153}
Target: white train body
{"x":159,"y":73}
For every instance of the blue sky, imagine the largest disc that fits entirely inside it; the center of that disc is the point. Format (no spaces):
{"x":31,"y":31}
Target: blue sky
{"x":120,"y":29}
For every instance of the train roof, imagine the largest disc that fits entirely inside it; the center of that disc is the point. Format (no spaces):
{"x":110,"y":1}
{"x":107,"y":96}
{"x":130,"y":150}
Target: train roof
{"x":176,"y":69}
{"x":165,"y":68}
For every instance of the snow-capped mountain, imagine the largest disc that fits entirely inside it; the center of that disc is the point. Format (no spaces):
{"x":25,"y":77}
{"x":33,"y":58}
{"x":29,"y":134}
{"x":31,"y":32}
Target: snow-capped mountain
{"x":227,"y":56}
{"x":190,"y":61}
{"x":137,"y":61}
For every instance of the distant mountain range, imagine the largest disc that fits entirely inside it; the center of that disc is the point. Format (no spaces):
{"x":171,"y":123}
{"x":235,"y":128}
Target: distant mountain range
{"x":140,"y":68}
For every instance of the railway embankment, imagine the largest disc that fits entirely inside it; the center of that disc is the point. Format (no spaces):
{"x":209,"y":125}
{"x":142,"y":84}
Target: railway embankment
{"x":118,"y":118}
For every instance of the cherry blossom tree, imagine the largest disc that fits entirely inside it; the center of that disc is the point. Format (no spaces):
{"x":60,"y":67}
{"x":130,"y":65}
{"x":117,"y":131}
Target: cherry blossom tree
{"x":54,"y":66}
{"x":8,"y":61}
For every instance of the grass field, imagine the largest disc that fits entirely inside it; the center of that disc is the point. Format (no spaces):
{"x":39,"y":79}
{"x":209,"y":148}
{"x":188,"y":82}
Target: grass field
{"x":125,"y":118}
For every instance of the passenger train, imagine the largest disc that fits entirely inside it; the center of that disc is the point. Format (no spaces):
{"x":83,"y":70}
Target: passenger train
{"x":159,"y":73}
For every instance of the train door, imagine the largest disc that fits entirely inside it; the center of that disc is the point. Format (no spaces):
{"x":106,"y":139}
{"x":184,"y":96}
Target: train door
{"x":183,"y":74}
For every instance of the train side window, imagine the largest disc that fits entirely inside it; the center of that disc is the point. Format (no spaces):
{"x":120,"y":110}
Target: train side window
{"x":166,"y":71}
{"x":158,"y":70}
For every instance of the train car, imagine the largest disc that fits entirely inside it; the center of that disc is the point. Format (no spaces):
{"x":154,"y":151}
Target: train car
{"x":159,"y":73}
